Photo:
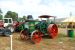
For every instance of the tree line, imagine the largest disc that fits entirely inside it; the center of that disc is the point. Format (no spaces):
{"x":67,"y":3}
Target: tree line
{"x":12,"y":15}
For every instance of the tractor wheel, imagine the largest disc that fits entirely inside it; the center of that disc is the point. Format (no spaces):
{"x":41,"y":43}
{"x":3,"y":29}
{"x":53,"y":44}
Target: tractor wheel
{"x":7,"y":32}
{"x":11,"y":28}
{"x":36,"y":37}
{"x":52,"y":30}
{"x":24,"y":35}
{"x":1,"y":31}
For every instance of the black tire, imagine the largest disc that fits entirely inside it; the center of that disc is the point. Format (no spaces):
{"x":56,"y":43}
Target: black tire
{"x":7,"y":32}
{"x":1,"y":31}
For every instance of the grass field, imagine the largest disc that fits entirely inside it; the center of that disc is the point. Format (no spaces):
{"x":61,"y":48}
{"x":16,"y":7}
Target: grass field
{"x":61,"y":42}
{"x":4,"y":43}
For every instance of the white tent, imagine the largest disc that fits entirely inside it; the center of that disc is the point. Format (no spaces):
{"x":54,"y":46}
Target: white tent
{"x":70,"y":19}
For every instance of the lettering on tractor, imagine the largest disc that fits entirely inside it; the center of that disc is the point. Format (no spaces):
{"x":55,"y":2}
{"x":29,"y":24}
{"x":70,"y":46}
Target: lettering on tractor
{"x":35,"y":30}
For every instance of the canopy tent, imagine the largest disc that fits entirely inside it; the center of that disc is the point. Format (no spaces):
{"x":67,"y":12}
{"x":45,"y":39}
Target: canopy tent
{"x":69,"y":22}
{"x":69,"y":25}
{"x":70,"y":19}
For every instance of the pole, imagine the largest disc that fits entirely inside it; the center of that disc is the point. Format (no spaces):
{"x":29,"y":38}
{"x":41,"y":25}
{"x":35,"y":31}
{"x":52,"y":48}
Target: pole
{"x":11,"y":42}
{"x":54,"y":19}
{"x":72,"y":21}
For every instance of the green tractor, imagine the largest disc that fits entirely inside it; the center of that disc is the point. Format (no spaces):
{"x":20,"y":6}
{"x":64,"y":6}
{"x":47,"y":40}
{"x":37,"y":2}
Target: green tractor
{"x":35,"y":30}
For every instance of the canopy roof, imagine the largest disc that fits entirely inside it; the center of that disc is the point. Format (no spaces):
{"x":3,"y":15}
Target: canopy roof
{"x":70,"y":19}
{"x":45,"y":16}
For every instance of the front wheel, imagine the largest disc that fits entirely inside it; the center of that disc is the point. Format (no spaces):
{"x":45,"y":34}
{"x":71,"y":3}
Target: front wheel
{"x":35,"y":37}
{"x":7,"y":32}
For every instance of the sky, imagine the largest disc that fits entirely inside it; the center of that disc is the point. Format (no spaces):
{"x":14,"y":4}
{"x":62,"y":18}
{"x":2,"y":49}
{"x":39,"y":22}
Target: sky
{"x":58,"y":8}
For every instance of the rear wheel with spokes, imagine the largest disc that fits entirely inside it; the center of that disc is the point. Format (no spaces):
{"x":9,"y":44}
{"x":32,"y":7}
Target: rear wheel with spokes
{"x":52,"y":30}
{"x":24,"y":35}
{"x":35,"y":37}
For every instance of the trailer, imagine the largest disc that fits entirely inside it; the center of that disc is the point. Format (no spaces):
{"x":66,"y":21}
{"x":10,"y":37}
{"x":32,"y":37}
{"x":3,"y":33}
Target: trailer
{"x":35,"y":30}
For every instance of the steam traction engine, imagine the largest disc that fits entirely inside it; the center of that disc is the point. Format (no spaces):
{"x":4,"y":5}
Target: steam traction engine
{"x":36,"y":29}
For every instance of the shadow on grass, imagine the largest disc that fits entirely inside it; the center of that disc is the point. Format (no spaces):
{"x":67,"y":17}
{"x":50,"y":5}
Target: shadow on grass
{"x":46,"y":37}
{"x":64,"y":38}
{"x":62,"y":35}
{"x":4,"y":36}
{"x":25,"y":41}
{"x":58,"y":36}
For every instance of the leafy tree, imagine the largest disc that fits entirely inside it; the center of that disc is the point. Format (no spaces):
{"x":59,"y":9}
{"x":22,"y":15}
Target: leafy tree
{"x":1,"y":17}
{"x":0,"y":11}
{"x":1,"y":14}
{"x":20,"y":19}
{"x":12,"y":15}
{"x":24,"y":17}
{"x":8,"y":14}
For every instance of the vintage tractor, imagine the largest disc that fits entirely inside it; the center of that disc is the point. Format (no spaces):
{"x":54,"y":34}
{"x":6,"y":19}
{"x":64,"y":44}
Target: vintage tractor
{"x":35,"y":30}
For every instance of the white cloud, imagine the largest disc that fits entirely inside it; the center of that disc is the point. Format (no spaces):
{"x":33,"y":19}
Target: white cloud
{"x":34,"y":7}
{"x":9,"y":4}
